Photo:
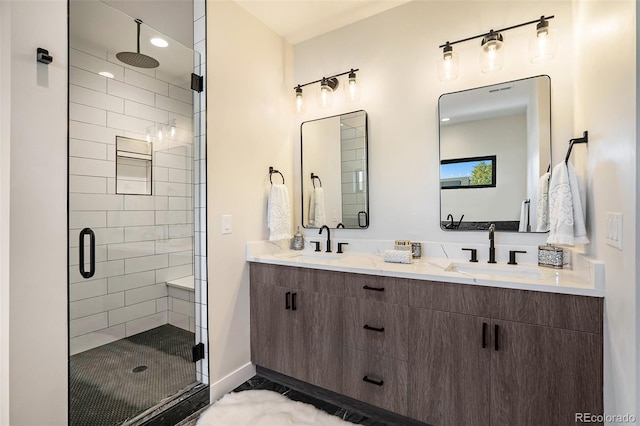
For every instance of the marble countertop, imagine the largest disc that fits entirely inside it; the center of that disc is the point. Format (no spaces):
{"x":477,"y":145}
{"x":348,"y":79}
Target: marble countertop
{"x":585,"y":281}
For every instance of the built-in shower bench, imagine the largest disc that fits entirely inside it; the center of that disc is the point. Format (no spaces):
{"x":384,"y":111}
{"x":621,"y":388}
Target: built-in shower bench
{"x":180,"y":302}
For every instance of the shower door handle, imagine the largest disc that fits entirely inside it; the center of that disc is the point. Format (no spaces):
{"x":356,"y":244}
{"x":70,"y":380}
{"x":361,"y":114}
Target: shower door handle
{"x":92,"y":253}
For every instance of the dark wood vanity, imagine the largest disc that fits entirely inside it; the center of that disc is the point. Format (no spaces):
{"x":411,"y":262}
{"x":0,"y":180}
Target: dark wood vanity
{"x":442,"y":353}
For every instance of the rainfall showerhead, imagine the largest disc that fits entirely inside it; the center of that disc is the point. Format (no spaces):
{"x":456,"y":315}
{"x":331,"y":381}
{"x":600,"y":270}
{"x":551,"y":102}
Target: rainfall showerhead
{"x":137,"y":59}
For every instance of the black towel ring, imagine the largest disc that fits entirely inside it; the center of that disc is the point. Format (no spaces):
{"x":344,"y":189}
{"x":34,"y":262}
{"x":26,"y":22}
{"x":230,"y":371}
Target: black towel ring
{"x":313,"y":178}
{"x":272,"y":171}
{"x":583,"y":139}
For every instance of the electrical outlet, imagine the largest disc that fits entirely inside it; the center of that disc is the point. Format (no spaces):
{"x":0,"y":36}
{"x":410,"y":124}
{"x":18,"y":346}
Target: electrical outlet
{"x":614,"y":229}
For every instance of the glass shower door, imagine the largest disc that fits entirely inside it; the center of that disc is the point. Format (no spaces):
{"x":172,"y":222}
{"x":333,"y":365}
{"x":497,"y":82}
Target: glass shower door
{"x":132,"y":318}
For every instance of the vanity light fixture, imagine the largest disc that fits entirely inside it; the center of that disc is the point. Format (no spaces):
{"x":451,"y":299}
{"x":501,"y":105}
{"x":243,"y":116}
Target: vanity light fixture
{"x":542,"y":47}
{"x":543,"y":44}
{"x":299,"y":99}
{"x":492,"y":54}
{"x":448,"y":65}
{"x":352,"y":88}
{"x":328,"y":86}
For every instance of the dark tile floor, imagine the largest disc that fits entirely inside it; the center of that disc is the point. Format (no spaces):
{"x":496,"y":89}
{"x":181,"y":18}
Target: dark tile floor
{"x":117,"y":381}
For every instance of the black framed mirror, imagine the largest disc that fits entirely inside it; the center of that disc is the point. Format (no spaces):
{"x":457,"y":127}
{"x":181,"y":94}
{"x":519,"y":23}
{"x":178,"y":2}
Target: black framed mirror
{"x":495,"y":150}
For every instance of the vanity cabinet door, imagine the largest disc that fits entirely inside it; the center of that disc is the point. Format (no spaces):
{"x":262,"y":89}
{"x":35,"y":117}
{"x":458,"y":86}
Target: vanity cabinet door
{"x":271,"y":327}
{"x":542,"y":376}
{"x":449,"y":382}
{"x":317,"y":339}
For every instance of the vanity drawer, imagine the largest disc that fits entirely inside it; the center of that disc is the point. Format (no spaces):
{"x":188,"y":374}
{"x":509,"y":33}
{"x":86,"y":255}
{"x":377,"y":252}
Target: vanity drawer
{"x":376,"y":380}
{"x":566,"y":311}
{"x":314,"y":280}
{"x":451,"y":297}
{"x":372,"y":287}
{"x":379,"y":328}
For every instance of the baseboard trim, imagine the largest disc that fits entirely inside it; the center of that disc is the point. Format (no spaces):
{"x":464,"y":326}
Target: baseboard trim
{"x":231,"y":381}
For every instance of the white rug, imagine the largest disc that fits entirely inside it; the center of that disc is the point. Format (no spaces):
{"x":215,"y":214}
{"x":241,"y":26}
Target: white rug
{"x":264,"y":408}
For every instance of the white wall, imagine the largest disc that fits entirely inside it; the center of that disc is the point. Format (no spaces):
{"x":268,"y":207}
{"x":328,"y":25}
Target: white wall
{"x":605,"y":105}
{"x":400,"y":92}
{"x":5,"y":176}
{"x":248,"y":130}
{"x":37,"y":128}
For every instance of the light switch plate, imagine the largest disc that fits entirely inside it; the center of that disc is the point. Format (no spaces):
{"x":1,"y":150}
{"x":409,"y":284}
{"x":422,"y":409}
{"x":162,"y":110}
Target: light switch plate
{"x":226,"y":224}
{"x":614,"y":229}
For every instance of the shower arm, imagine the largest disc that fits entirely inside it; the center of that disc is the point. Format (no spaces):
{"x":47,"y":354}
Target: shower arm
{"x":138,"y":21}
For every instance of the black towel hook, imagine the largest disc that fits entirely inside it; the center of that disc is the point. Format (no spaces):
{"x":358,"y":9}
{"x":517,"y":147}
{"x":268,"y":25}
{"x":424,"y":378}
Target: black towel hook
{"x":583,"y":139}
{"x":313,"y":178}
{"x":272,"y":171}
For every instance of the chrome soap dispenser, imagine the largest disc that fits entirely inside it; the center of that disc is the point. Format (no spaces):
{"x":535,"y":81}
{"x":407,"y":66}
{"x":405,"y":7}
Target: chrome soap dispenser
{"x":298,"y":240}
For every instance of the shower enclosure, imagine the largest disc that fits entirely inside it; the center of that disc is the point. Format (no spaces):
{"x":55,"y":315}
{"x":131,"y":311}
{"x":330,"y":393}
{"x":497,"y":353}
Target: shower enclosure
{"x":137,"y":220}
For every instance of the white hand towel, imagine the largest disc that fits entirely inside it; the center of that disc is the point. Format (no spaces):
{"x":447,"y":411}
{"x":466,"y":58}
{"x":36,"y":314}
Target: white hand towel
{"x":566,"y":209}
{"x":542,"y":209}
{"x":318,"y":207}
{"x":579,"y":206}
{"x":524,"y":216}
{"x":278,"y":213}
{"x":312,"y":209}
{"x":397,"y":256}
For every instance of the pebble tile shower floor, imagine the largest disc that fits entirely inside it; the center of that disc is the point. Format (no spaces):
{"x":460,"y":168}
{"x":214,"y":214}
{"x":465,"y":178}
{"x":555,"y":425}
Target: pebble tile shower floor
{"x":109,"y":384}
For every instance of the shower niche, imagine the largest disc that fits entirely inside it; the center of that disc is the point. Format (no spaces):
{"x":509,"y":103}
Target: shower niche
{"x":134,"y":165}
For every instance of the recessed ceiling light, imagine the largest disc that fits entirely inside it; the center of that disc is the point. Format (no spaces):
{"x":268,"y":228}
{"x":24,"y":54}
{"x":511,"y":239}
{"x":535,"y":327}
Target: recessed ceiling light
{"x":445,"y":119}
{"x":106,"y":74}
{"x":159,"y":42}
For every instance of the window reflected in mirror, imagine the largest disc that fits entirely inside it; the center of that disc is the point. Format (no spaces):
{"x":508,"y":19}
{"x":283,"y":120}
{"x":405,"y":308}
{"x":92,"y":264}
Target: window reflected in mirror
{"x":476,"y":172}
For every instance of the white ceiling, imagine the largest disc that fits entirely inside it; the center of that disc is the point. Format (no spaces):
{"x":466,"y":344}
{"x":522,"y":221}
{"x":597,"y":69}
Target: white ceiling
{"x":295,"y":20}
{"x":300,"y":20}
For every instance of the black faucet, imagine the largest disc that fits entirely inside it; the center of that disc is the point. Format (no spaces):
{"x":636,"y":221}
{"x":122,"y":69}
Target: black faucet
{"x":328,"y":237}
{"x":492,"y":247}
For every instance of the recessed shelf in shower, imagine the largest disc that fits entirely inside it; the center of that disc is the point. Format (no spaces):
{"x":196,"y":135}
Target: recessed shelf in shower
{"x":134,"y":164}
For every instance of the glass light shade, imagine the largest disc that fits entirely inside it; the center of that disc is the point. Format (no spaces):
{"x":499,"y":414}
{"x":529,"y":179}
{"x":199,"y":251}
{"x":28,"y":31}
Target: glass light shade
{"x":352,"y":88}
{"x":299,"y":100}
{"x":542,"y":45}
{"x":448,"y":66}
{"x":492,"y":53}
{"x":325,"y":95}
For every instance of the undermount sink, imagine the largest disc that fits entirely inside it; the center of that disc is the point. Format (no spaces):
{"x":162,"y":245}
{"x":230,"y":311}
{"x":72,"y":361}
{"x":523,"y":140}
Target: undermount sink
{"x":516,"y":271}
{"x":310,"y":256}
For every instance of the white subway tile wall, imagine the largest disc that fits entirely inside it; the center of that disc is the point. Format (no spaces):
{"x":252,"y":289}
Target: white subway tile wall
{"x":352,"y":167}
{"x":141,"y":240}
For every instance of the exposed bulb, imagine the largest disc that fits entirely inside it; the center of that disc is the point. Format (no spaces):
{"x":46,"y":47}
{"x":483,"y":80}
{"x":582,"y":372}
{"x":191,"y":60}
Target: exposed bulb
{"x":352,"y":88}
{"x":491,"y":57}
{"x":299,"y":99}
{"x":448,"y":65}
{"x":542,"y":45}
{"x":326,"y":93}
